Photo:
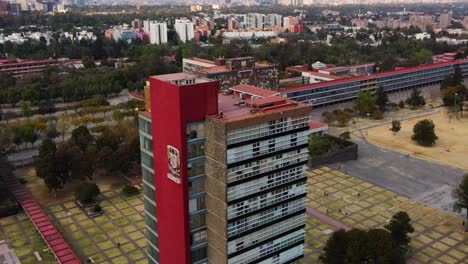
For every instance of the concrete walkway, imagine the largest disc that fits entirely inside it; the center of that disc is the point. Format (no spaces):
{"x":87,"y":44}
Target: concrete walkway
{"x":326,"y":219}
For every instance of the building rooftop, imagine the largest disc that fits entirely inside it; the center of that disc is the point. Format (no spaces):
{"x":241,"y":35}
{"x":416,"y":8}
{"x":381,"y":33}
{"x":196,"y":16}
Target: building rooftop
{"x":369,"y":77}
{"x":350,"y":67}
{"x":314,"y":125}
{"x":180,"y":77}
{"x":232,"y":108}
{"x":253,"y":91}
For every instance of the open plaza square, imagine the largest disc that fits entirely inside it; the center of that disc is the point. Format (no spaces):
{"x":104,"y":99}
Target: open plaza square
{"x":117,"y":236}
{"x":438,"y":236}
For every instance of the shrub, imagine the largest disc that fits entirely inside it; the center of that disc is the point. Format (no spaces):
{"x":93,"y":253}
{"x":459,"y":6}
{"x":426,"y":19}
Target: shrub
{"x":377,"y":114}
{"x":99,"y":128}
{"x":87,"y":192}
{"x":345,"y":135}
{"x":129,"y":190}
{"x":319,"y":145}
{"x":401,"y":104}
{"x":97,"y":208}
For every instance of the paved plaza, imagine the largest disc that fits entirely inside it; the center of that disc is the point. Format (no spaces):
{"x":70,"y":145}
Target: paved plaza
{"x":20,"y":234}
{"x":438,"y":236}
{"x":98,"y":238}
{"x":421,"y":180}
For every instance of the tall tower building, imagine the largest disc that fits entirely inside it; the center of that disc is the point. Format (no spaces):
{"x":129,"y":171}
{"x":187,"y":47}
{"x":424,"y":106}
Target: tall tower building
{"x":224,"y":178}
{"x":445,"y":20}
{"x":157,"y":32}
{"x":274,"y":20}
{"x":184,"y":29}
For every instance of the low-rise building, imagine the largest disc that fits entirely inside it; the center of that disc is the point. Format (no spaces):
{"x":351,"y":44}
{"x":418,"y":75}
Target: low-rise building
{"x":235,"y":71}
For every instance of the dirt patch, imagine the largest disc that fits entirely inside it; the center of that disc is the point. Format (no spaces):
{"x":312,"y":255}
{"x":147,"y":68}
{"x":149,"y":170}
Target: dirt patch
{"x":451,"y":148}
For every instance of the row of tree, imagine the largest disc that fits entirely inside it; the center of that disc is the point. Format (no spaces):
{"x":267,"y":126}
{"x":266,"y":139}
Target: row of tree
{"x":114,"y":151}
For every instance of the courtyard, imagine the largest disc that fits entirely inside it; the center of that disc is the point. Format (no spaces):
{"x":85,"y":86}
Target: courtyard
{"x":20,"y":234}
{"x":117,"y":236}
{"x":438,"y":236}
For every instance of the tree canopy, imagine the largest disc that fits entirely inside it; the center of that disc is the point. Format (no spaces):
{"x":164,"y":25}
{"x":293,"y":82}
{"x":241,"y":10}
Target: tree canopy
{"x":461,"y":196}
{"x":358,"y":246}
{"x":424,"y":133}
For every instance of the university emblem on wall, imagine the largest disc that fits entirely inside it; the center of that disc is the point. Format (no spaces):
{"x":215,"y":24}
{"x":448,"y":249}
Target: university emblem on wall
{"x":173,"y":158}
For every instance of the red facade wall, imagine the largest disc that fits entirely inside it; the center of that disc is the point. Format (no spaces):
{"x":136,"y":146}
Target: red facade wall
{"x":171,"y":108}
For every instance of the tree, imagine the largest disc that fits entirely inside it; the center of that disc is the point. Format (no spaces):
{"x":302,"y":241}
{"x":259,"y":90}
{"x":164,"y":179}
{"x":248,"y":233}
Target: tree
{"x":381,"y":99}
{"x":396,"y":126}
{"x":88,"y":62}
{"x":415,"y":99}
{"x":364,"y":103}
{"x":453,"y":96}
{"x":46,"y":107}
{"x":401,"y":104}
{"x":377,"y":114}
{"x":461,"y":196}
{"x":51,"y":131}
{"x":328,"y":117}
{"x":63,"y":125}
{"x":334,"y":250}
{"x":342,"y":117}
{"x":26,"y":108}
{"x":358,"y":246}
{"x":44,"y":163}
{"x":423,"y":133}
{"x":423,"y":56}
{"x":383,"y":247}
{"x":399,"y":227}
{"x":81,"y":138}
{"x":6,"y":138}
{"x":345,"y":135}
{"x":87,"y":192}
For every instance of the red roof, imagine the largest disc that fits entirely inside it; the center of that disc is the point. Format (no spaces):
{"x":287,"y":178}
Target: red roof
{"x":374,"y":76}
{"x":268,"y":100}
{"x":315,"y":125}
{"x":254,"y":91}
{"x":137,"y":96}
{"x":44,"y":226}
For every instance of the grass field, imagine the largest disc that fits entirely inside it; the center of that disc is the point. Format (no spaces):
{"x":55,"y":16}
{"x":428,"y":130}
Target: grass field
{"x":450,"y":148}
{"x":19,"y":233}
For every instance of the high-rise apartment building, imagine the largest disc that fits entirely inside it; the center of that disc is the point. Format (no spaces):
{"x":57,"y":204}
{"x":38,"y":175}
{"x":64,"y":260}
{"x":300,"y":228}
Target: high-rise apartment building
{"x":146,"y":26}
{"x":157,"y":32}
{"x":255,"y":21}
{"x":223,"y":173}
{"x":445,"y":20}
{"x":273,"y":20}
{"x":184,"y":29}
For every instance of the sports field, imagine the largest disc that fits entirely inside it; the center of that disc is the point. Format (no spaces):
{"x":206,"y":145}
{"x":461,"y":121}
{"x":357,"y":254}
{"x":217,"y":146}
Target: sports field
{"x":451,"y":148}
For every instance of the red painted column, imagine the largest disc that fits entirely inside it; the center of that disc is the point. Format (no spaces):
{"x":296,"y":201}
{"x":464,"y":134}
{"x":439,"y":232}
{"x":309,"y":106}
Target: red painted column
{"x":172,"y":107}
